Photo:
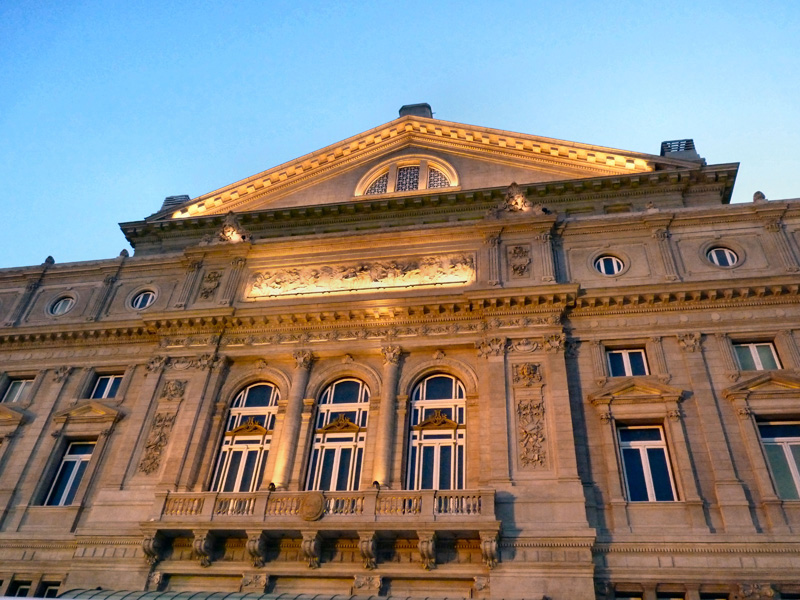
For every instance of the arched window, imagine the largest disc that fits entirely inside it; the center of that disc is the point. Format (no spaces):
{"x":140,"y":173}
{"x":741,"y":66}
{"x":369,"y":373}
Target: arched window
{"x":245,"y":445}
{"x":407,"y":174}
{"x":436,"y":458}
{"x":341,"y":430}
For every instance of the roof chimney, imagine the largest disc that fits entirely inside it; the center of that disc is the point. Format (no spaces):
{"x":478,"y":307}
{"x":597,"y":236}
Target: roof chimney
{"x":680,"y":149}
{"x":172,"y":201}
{"x":416,"y":110}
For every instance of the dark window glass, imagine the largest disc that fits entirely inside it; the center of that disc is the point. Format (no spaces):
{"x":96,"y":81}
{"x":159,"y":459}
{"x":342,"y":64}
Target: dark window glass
{"x":439,"y":388}
{"x":637,"y":488}
{"x":327,"y":470}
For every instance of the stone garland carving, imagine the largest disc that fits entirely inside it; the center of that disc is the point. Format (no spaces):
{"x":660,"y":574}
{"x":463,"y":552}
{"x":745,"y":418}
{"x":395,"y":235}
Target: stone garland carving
{"x":428,"y":270}
{"x":492,"y":347}
{"x":367,"y":582}
{"x":519,"y":260}
{"x":524,"y":345}
{"x":527,"y":374}
{"x":156,"y":442}
{"x":210,"y":284}
{"x":530,"y":418}
{"x":690,"y":342}
{"x":189,"y":340}
{"x":174,"y":390}
{"x":184,"y":363}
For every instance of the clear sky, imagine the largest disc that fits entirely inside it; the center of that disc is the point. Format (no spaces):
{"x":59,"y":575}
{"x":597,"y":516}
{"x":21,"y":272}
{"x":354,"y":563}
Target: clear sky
{"x":106,"y":107}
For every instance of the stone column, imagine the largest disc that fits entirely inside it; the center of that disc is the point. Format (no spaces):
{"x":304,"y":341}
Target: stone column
{"x":287,"y":447}
{"x":381,"y":470}
{"x":733,"y":504}
{"x":548,"y":267}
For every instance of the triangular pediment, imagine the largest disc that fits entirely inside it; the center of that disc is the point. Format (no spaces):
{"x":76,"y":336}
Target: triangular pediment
{"x":89,"y":411}
{"x":527,"y":158}
{"x":768,"y":384}
{"x":10,"y":417}
{"x":249,"y":427}
{"x":339,"y":424}
{"x":437,"y":420}
{"x":631,"y":390}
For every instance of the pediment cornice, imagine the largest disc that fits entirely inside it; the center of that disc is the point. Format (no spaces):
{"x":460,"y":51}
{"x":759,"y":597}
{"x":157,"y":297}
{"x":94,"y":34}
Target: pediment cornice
{"x":88,"y":411}
{"x":636,"y":390}
{"x":770,"y":384}
{"x":551,"y":154}
{"x":10,"y":417}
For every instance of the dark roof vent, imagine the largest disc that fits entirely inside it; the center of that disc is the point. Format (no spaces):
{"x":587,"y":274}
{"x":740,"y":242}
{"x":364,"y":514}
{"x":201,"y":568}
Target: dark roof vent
{"x":416,"y":110}
{"x":680,"y":149}
{"x":172,"y":201}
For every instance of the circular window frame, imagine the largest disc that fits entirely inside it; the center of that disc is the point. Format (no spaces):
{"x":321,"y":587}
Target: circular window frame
{"x":140,"y":290}
{"x":408,"y":160}
{"x":131,"y":303}
{"x":620,"y":256}
{"x":61,"y":297}
{"x":734,"y":247}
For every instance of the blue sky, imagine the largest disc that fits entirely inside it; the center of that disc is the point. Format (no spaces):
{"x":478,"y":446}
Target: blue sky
{"x":108,"y":107}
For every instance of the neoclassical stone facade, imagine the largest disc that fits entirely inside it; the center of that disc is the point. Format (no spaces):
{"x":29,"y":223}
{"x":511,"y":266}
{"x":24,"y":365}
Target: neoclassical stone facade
{"x":430,"y":360}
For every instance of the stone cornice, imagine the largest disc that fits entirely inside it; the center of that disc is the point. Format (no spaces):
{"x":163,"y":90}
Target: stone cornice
{"x":696,"y":547}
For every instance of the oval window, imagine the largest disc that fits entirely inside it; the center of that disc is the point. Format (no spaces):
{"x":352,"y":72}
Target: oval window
{"x":62,"y":305}
{"x":143,"y":299}
{"x":608,"y":265}
{"x":722,"y":257}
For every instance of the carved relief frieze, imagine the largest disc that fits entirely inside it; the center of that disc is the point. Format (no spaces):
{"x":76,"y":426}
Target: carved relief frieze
{"x":531,"y":431}
{"x":156,"y":442}
{"x":371,"y":583}
{"x":184,"y":363}
{"x":210,"y":284}
{"x":519,"y":260}
{"x":407,"y":272}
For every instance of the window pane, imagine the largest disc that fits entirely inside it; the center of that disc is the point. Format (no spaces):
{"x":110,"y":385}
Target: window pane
{"x":427,"y":468}
{"x":258,"y":395}
{"x":327,"y":470}
{"x":645,"y":434}
{"x":745,"y":357}
{"x":249,"y":469}
{"x":76,"y":481}
{"x":60,"y":485}
{"x":233,"y":471}
{"x":346,"y":391}
{"x":616,"y":365}
{"x":344,"y":469}
{"x":767,"y":356}
{"x":439,"y":388}
{"x":780,"y":471}
{"x":780,"y":430}
{"x":114,"y":382}
{"x":460,"y":468}
{"x":634,"y":475}
{"x":445,"y":467}
{"x":357,"y":471}
{"x":412,"y":468}
{"x":637,"y":363}
{"x":662,"y":484}
{"x":407,"y":179}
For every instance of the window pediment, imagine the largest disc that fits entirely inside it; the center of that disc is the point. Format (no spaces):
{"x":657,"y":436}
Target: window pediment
{"x":636,"y":391}
{"x":89,"y":411}
{"x":340,"y":423}
{"x":437,"y":420}
{"x":249,"y":427}
{"x":765,"y":386}
{"x":10,"y":417}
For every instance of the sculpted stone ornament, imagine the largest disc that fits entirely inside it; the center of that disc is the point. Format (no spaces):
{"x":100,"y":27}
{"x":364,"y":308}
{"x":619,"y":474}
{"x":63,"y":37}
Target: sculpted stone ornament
{"x":427,"y":550}
{"x":367,"y":547}
{"x":257,"y":548}
{"x":312,"y":506}
{"x":156,"y":442}
{"x":303,"y":359}
{"x":759,"y":197}
{"x":554,"y":343}
{"x":352,"y":277}
{"x":203,"y":547}
{"x":210,"y":284}
{"x":489,"y":548}
{"x":311,"y":546}
{"x":690,"y":342}
{"x":392,"y":354}
{"x":156,"y":363}
{"x":525,"y":345}
{"x":527,"y":374}
{"x":367,"y":582}
{"x":519,"y":260}
{"x":254,"y":582}
{"x":174,"y":390}
{"x":231,"y":232}
{"x":492,"y":347}
{"x":61,"y":373}
{"x":154,"y":580}
{"x":754,"y":591}
{"x":480,"y":583}
{"x":530,"y":417}
{"x":153,"y":545}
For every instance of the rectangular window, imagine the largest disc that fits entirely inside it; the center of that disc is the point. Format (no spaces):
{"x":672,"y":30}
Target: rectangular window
{"x":17,"y":390}
{"x":48,"y":589}
{"x":760,"y":356}
{"x":782,"y":447}
{"x":625,"y":363}
{"x":19,"y":589}
{"x":70,"y":473}
{"x":648,"y":476}
{"x":106,"y":386}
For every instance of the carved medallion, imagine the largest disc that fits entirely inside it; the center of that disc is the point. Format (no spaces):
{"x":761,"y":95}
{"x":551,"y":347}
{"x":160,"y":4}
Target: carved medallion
{"x":312,"y":507}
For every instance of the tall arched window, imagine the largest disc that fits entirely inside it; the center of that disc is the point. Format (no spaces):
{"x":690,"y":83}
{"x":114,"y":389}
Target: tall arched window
{"x":245,"y":445}
{"x":341,"y":430}
{"x":436,"y":458}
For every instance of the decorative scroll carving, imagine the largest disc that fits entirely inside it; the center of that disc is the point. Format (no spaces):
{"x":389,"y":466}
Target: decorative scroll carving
{"x":255,"y":582}
{"x":156,"y":442}
{"x":527,"y":374}
{"x":392,"y":354}
{"x":210,"y":284}
{"x":427,"y":550}
{"x":257,"y":548}
{"x":519,"y":260}
{"x":554,"y":343}
{"x":303,"y":359}
{"x":408,"y":272}
{"x":174,"y":390}
{"x":530,"y":416}
{"x":492,"y":347}
{"x":367,"y":547}
{"x":606,"y":417}
{"x":367,"y":582}
{"x":156,"y":363}
{"x":525,"y":345}
{"x":489,"y":548}
{"x":690,"y":342}
{"x":61,"y":373}
{"x":203,"y":547}
{"x":310,"y":546}
{"x":153,"y":545}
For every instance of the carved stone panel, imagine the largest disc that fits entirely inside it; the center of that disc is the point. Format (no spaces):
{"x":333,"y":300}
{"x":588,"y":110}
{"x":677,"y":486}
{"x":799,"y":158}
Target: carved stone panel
{"x":156,"y":442}
{"x":519,"y":260}
{"x":531,"y":430}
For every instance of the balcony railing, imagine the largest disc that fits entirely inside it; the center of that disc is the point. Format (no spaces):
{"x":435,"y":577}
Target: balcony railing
{"x":359,"y":507}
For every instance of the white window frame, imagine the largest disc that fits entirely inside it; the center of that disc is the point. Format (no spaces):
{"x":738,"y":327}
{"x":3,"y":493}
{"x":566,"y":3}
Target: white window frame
{"x":62,"y":306}
{"x":334,"y":435}
{"x":75,"y":477}
{"x":104,"y":387}
{"x":452,"y":434}
{"x":617,"y":265}
{"x":244,"y":442}
{"x":730,"y":256}
{"x":756,"y":358}
{"x":643,"y":446}
{"x":626,"y":361}
{"x":143,"y":299}
{"x":785,"y":443}
{"x":17,"y":389}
